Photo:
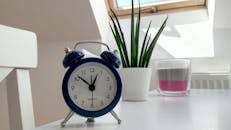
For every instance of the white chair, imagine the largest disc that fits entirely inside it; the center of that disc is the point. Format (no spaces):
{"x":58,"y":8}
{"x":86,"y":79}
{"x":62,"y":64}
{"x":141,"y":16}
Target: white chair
{"x":18,"y":54}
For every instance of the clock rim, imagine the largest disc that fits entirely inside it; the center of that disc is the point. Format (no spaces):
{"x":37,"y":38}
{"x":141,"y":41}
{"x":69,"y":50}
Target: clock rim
{"x":81,"y":111}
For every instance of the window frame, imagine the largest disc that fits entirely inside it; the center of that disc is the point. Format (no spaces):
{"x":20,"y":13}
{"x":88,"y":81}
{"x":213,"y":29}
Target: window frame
{"x":160,"y":7}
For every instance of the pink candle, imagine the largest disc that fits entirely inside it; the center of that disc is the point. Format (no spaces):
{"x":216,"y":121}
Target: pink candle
{"x":173,"y":85}
{"x":173,"y":81}
{"x":173,"y":76}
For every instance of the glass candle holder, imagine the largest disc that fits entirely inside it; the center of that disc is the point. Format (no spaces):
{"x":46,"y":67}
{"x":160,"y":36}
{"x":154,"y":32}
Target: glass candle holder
{"x":173,"y":76}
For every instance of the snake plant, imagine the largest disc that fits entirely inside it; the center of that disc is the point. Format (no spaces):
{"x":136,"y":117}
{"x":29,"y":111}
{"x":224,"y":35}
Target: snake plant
{"x":139,"y":57}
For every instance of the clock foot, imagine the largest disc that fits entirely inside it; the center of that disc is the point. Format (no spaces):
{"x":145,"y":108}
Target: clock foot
{"x":90,"y":120}
{"x":116,"y":116}
{"x":69,"y":115}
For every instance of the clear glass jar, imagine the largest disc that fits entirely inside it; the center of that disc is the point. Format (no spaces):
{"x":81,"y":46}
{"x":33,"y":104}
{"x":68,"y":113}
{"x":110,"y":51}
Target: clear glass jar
{"x":173,"y":76}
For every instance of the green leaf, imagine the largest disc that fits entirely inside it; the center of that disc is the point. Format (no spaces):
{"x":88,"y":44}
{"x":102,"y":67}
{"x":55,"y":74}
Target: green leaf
{"x":148,"y":53}
{"x":119,"y":42}
{"x":145,"y":50}
{"x":123,"y":39}
{"x":119,"y":47}
{"x":136,"y":41}
{"x":133,"y":48}
{"x":144,"y":45}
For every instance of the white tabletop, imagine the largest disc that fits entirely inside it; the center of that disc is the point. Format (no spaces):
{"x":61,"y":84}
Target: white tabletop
{"x":201,"y":110}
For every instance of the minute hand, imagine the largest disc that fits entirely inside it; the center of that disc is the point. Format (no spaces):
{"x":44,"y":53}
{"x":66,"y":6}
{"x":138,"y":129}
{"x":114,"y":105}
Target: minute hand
{"x":94,"y":79}
{"x":83,"y":80}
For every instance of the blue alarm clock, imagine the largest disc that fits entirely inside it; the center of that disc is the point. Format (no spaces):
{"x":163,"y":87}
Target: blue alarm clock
{"x":91,"y":86}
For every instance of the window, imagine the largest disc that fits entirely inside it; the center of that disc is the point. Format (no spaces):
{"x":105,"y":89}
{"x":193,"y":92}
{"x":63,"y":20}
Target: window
{"x":122,"y":7}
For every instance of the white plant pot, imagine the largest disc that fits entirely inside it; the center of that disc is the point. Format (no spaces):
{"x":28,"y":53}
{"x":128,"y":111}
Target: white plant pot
{"x":136,"y":83}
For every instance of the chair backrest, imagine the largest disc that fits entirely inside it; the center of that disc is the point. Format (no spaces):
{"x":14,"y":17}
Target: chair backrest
{"x":18,"y":48}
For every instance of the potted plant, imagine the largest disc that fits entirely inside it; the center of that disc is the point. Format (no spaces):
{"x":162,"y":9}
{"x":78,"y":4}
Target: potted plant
{"x":135,"y":73}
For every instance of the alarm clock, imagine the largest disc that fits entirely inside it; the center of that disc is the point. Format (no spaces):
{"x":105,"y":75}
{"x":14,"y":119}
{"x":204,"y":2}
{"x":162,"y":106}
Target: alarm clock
{"x":91,"y":86}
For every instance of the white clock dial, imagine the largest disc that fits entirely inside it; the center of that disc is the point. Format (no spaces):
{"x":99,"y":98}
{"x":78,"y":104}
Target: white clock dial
{"x":92,"y":86}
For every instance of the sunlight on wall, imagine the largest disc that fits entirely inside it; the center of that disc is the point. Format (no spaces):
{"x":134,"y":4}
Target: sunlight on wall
{"x":186,"y":41}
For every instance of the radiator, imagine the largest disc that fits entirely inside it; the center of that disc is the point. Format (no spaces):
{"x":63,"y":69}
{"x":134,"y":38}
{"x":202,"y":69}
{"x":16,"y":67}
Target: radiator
{"x":211,"y":80}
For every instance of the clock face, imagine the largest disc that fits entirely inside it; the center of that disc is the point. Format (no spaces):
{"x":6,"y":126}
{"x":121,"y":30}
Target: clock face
{"x":92,"y":86}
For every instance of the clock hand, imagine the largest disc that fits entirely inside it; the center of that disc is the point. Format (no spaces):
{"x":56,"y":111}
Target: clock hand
{"x":92,"y":86}
{"x":94,"y":80}
{"x":91,"y":79}
{"x":92,"y":98}
{"x":83,"y":80}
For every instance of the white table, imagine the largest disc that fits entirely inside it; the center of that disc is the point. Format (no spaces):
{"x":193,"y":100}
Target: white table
{"x":202,"y":110}
{"x":18,"y":54}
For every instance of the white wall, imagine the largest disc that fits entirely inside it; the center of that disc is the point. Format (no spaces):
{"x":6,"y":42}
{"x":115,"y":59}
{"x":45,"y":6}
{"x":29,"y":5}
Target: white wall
{"x":222,"y":32}
{"x":222,"y":59}
{"x":222,"y":18}
{"x":52,"y":20}
{"x":46,"y":82}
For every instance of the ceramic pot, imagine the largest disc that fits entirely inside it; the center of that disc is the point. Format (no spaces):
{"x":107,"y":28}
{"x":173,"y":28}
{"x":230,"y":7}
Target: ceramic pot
{"x":136,"y":83}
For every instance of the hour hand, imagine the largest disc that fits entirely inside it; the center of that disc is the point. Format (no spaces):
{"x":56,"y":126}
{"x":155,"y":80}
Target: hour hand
{"x":83,"y":80}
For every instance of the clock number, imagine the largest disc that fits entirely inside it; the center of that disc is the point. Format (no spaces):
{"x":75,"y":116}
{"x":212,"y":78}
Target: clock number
{"x":101,"y":103}
{"x":75,"y":97}
{"x":92,"y":70}
{"x":82,"y":103}
{"x":83,"y":72}
{"x":101,"y":72}
{"x":110,"y":87}
{"x":92,"y":105}
{"x":107,"y":79}
{"x":72,"y":88}
{"x":108,"y":96}
{"x":76,"y":79}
